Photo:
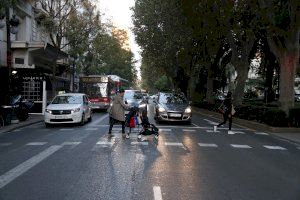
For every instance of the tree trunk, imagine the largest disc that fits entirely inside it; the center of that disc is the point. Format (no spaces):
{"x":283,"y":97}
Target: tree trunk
{"x":242,"y":75}
{"x":210,"y":88}
{"x":288,"y":66}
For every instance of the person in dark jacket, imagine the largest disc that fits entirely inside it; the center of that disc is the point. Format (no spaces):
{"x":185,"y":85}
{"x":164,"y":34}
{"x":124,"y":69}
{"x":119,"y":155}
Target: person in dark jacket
{"x":226,"y":108}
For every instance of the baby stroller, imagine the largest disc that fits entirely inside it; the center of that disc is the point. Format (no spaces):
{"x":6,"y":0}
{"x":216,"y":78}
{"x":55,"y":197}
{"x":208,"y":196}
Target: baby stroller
{"x":148,"y":129}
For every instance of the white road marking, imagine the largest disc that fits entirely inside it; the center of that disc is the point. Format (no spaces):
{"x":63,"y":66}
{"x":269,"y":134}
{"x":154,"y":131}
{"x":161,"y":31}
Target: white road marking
{"x":207,"y":145}
{"x":157,"y":193}
{"x":173,"y":144}
{"x":241,"y":146}
{"x":111,"y":142}
{"x":36,"y":143}
{"x":261,"y":133}
{"x":17,"y":130}
{"x":91,"y":129}
{"x":211,"y":122}
{"x":274,"y":147}
{"x":188,"y":130}
{"x":139,"y":143}
{"x":27,"y":165}
{"x":71,"y":143}
{"x":5,"y":144}
{"x":66,"y":129}
{"x":298,"y":148}
{"x":165,"y":129}
{"x":212,"y":131}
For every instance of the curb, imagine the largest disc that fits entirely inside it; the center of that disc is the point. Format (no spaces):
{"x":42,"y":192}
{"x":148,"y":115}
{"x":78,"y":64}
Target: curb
{"x":21,"y":125}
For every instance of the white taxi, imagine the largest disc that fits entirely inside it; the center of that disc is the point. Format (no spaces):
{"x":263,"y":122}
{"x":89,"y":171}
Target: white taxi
{"x":68,"y":108}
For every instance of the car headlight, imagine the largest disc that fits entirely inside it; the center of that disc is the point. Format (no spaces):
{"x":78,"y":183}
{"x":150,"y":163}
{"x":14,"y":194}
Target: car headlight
{"x":48,"y":111}
{"x":161,"y":109}
{"x":188,"y":110}
{"x":142,"y":105}
{"x":75,"y":110}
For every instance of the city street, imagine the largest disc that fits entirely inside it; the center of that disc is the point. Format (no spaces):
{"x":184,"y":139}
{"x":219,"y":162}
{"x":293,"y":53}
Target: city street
{"x":189,"y":162}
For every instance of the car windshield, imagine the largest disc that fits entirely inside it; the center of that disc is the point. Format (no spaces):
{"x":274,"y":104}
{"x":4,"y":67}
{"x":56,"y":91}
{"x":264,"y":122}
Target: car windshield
{"x":172,"y":98}
{"x":67,"y":100}
{"x":133,"y":95}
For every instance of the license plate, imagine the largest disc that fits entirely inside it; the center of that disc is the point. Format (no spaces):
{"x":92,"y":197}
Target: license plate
{"x":175,"y":115}
{"x":60,"y":117}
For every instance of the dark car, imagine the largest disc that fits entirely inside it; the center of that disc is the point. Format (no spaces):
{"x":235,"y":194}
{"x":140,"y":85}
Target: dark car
{"x":134,"y":98}
{"x":172,"y":107}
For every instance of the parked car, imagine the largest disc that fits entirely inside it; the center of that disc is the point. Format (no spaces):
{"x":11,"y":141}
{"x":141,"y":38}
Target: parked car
{"x":68,"y":108}
{"x":172,"y":107}
{"x":134,"y":98}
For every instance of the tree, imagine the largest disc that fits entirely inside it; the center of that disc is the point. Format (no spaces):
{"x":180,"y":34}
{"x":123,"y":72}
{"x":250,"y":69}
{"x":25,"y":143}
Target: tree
{"x":282,"y":23}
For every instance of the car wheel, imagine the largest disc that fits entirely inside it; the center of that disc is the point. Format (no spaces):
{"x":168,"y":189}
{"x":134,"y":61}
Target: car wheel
{"x":47,"y":125}
{"x":82,"y":120}
{"x":90,"y":118}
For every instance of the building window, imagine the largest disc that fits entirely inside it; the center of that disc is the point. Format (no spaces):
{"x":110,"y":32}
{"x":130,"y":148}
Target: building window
{"x":32,"y":90}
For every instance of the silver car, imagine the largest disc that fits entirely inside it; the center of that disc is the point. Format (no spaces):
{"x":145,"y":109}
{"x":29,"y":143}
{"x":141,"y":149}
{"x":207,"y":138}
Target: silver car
{"x":172,"y":107}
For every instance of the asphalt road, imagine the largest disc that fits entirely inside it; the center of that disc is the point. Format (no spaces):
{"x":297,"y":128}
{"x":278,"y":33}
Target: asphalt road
{"x":189,"y":162}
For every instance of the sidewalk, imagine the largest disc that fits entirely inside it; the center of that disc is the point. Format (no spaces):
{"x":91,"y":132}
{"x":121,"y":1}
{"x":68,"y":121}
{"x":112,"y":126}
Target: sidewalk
{"x":286,"y":133}
{"x":32,"y":119}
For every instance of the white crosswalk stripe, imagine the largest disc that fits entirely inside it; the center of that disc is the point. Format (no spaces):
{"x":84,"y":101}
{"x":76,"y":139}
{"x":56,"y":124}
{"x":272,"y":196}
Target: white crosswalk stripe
{"x":173,"y":144}
{"x":241,"y":146}
{"x":71,"y":143}
{"x":207,"y":145}
{"x":36,"y":143}
{"x":91,"y":129}
{"x":189,"y":130}
{"x":261,"y":133}
{"x":5,"y":144}
{"x":139,"y":143}
{"x":212,"y":131}
{"x":66,"y":129}
{"x":274,"y":147}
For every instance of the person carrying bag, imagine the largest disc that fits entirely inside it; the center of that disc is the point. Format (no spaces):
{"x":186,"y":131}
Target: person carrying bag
{"x":227,"y":110}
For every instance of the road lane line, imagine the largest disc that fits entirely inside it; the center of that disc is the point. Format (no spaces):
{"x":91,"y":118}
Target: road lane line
{"x":27,"y":165}
{"x":5,"y":144}
{"x":274,"y":147}
{"x":157,"y":193}
{"x":36,"y":143}
{"x":241,"y":146}
{"x":207,"y":145}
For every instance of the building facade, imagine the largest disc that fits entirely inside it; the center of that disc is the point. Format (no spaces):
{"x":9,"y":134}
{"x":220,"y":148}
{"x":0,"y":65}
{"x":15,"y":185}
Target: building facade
{"x":33,"y":56}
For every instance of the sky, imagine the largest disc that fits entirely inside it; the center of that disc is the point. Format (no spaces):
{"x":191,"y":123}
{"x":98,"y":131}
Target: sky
{"x":118,"y":11}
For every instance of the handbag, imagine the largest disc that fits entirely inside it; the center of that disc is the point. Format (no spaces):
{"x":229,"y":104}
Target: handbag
{"x":132,"y":122}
